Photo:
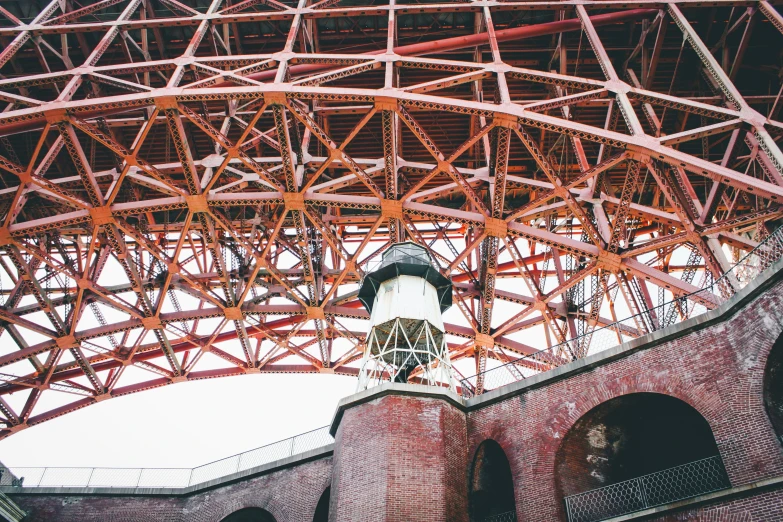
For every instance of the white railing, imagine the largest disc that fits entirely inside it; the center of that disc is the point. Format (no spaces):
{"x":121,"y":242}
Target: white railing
{"x":40,"y":477}
{"x":662,"y":487}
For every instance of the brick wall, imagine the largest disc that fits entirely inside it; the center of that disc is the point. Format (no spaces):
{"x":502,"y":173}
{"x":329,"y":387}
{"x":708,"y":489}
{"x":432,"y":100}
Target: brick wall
{"x":290,"y":495}
{"x":718,"y":371}
{"x":48,"y":508}
{"x":399,"y":459}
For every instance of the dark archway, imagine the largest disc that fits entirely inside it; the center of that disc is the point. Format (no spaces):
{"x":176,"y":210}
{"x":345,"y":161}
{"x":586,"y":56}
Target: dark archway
{"x":491,"y":485}
{"x":251,"y":514}
{"x":322,"y":509}
{"x":773,"y":387}
{"x":630,"y":437}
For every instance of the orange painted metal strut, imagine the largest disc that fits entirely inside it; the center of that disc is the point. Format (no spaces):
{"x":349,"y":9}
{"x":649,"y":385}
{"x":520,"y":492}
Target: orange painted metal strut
{"x":418,"y":49}
{"x":473,"y":40}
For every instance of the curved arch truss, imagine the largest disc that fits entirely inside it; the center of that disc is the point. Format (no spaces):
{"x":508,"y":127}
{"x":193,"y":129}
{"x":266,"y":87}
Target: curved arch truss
{"x":194,"y":189}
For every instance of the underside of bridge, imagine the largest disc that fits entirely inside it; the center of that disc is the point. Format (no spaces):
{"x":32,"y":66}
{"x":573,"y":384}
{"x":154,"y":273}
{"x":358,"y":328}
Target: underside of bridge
{"x":191,"y":190}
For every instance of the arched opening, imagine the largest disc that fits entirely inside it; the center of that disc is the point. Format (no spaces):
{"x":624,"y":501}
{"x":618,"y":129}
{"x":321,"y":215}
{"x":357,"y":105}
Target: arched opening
{"x":322,"y":509}
{"x":251,"y":514}
{"x":491,"y":486}
{"x":773,"y":387}
{"x":633,"y":452}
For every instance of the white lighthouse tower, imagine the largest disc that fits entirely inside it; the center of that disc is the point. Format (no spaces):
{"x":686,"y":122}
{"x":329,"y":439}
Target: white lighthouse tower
{"x":406,"y":296}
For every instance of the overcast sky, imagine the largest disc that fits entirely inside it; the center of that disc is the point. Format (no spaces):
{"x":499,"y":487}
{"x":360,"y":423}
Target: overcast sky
{"x":182,"y":425}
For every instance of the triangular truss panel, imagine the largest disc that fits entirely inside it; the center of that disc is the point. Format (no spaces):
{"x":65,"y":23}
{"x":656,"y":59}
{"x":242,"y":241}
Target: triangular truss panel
{"x":196,"y":190}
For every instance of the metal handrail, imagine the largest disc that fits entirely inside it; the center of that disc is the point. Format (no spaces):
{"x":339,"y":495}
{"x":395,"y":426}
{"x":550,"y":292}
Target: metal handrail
{"x":654,"y":489}
{"x":719,"y":291}
{"x":82,"y":477}
{"x":508,"y":516}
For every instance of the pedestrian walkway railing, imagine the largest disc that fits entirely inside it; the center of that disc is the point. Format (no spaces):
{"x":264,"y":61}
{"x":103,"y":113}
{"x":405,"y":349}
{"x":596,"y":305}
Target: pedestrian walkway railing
{"x":163,"y":477}
{"x":670,"y":485}
{"x":710,"y":296}
{"x":508,"y":516}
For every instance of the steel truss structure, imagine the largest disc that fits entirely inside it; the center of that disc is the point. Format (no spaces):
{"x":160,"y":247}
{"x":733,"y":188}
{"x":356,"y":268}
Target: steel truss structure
{"x":194,"y":189}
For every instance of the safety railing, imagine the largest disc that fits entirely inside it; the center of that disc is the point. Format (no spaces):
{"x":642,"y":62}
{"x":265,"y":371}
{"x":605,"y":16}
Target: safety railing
{"x":670,"y":485}
{"x":508,"y":516}
{"x":163,"y":477}
{"x":710,"y":296}
{"x":401,"y":254}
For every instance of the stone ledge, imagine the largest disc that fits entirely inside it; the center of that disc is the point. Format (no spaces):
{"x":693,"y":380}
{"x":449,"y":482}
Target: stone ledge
{"x":9,"y":511}
{"x":393,"y":388}
{"x":288,"y":462}
{"x":719,"y":496}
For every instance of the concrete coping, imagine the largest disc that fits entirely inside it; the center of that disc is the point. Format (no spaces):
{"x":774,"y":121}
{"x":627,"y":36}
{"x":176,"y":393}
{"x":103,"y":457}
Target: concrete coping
{"x":716,"y":496}
{"x":288,"y":462}
{"x":9,"y":511}
{"x":393,"y":388}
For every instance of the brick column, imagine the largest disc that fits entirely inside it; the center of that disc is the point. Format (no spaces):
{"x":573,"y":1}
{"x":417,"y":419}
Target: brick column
{"x":400,"y":456}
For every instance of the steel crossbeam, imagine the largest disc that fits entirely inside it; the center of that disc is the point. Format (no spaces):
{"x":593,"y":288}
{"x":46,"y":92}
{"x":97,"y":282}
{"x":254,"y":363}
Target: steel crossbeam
{"x":214,"y":200}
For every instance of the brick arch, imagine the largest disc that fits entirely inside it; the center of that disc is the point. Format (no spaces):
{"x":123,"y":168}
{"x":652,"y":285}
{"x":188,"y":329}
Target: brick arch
{"x":321,"y":510}
{"x":491,"y":487}
{"x":496,"y":429}
{"x":249,"y":514}
{"x":757,"y":331}
{"x":507,"y":435}
{"x":752,"y":334}
{"x":598,"y":387}
{"x":224,"y":511}
{"x":631,"y":435}
{"x":499,"y":433}
{"x":474,"y":448}
{"x":772,"y":386}
{"x":702,"y":397}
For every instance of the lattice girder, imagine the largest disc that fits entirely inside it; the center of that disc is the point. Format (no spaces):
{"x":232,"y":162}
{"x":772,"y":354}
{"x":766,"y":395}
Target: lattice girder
{"x":213,"y":180}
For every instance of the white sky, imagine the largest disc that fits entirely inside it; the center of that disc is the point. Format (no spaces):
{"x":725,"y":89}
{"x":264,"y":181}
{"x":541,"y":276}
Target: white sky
{"x":182,"y":425}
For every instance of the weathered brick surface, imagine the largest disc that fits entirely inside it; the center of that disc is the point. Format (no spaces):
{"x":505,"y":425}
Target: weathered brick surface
{"x":290,"y":495}
{"x":399,"y":459}
{"x":718,"y":371}
{"x":46,"y":508}
{"x":630,"y":436}
{"x":403,"y":458}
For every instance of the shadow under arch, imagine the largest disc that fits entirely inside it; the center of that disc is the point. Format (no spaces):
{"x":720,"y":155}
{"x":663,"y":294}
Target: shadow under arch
{"x":250,"y":514}
{"x":491,"y":486}
{"x":773,"y":387}
{"x":631,"y":436}
{"x":322,"y":508}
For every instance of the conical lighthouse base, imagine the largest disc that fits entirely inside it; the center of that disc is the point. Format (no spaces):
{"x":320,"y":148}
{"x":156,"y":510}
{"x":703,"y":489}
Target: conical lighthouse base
{"x":403,"y":350}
